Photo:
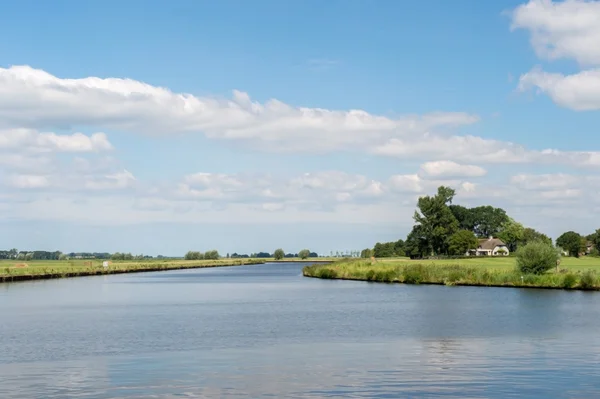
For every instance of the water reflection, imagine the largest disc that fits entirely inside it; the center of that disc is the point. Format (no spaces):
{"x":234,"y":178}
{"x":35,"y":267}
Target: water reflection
{"x":277,"y":335}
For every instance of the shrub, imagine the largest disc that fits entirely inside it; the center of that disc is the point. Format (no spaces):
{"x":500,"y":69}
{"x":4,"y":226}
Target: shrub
{"x":536,"y":257}
{"x":413,"y":274}
{"x":569,"y":280}
{"x":588,"y":279}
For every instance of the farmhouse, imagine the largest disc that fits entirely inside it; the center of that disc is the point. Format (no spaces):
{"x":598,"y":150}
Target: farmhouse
{"x":489,"y":247}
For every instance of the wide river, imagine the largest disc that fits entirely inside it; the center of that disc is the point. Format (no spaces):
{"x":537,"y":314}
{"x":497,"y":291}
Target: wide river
{"x":266,"y":331}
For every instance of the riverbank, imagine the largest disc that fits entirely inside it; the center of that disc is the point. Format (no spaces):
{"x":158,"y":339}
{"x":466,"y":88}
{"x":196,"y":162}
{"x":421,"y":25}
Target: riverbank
{"x":427,"y":272}
{"x":40,"y":270}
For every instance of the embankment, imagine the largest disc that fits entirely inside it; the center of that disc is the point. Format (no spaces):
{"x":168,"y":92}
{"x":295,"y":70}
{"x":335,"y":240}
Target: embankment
{"x":60,"y":269}
{"x":452,"y":274}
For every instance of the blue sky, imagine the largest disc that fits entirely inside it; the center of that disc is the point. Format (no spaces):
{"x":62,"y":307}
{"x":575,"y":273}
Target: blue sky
{"x":119,"y":120}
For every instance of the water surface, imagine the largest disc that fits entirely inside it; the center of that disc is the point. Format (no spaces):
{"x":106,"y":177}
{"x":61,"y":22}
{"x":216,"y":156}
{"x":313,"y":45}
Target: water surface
{"x":265,"y":331}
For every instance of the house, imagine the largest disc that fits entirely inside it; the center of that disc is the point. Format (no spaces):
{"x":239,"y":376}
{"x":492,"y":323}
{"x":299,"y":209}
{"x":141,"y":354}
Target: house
{"x":489,"y":247}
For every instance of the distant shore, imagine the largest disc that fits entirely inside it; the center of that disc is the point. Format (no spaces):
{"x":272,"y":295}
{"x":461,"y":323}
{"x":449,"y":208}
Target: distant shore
{"x":571,"y":277}
{"x":42,"y":270}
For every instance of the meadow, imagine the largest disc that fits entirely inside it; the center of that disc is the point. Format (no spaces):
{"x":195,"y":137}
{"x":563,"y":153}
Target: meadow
{"x":573,"y":273}
{"x":11,"y":270}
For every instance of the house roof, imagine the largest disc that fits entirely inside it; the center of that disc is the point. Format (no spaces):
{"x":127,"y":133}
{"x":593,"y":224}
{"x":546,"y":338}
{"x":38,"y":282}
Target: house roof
{"x":491,"y":243}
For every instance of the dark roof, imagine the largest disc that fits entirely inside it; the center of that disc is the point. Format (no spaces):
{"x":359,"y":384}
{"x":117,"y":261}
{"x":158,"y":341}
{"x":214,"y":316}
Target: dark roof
{"x":492,"y":243}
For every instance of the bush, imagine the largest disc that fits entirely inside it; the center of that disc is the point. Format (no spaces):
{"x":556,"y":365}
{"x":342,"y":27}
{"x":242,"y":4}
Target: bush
{"x":569,"y":280}
{"x":588,"y":280}
{"x":536,"y":257}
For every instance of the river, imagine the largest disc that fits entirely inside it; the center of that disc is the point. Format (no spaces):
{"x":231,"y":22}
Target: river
{"x":267,"y":332}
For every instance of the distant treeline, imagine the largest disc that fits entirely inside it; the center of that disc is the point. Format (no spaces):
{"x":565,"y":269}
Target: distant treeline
{"x":58,"y":255}
{"x":277,"y":254}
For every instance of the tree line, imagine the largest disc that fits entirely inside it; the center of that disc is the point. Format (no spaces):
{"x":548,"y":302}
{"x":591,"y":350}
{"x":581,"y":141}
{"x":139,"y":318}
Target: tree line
{"x":444,"y":228}
{"x":278,"y":254}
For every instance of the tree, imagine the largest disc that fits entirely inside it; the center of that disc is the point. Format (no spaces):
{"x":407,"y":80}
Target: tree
{"x":487,"y":220}
{"x":537,"y":257}
{"x":530,"y":235}
{"x":461,"y":241}
{"x":436,"y":220}
{"x":278,"y":254}
{"x":303,"y":254}
{"x":212,"y":255}
{"x":399,"y":248}
{"x":383,"y":250}
{"x":571,"y":242}
{"x":511,"y":232}
{"x":194,"y":255}
{"x":595,"y":239}
{"x":464,"y":216}
{"x":366,"y":253}
{"x":416,"y":245}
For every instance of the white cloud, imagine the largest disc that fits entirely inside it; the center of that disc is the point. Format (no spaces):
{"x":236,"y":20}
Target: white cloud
{"x":34,"y":98}
{"x":33,"y":141}
{"x":580,"y":92}
{"x":450,"y":169}
{"x":29,"y":181}
{"x":566,"y":29}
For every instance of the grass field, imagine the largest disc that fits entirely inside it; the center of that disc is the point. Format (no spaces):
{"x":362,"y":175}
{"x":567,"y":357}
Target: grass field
{"x":582,"y":273}
{"x":11,"y":270}
{"x":501,"y":263}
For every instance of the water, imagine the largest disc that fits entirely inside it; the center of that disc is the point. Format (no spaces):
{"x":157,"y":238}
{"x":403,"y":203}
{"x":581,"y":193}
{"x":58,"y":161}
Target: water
{"x":267,"y":332}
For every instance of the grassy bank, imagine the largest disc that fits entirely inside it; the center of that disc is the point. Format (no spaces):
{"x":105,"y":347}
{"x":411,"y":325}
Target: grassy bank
{"x":497,"y":272}
{"x":33,"y":270}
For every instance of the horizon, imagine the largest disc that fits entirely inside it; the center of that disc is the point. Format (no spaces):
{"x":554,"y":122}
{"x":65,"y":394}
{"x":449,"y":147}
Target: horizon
{"x":242,"y":127}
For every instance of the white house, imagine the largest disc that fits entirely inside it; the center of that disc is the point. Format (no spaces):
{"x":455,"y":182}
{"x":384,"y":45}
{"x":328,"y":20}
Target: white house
{"x":490,"y":247}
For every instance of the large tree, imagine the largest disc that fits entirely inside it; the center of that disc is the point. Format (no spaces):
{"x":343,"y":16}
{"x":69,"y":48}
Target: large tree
{"x":487,"y":220}
{"x":278,"y":254}
{"x":570,"y":241}
{"x":416,"y":245}
{"x":461,"y":241}
{"x":511,"y":232}
{"x":464,"y":216}
{"x":436,"y":220}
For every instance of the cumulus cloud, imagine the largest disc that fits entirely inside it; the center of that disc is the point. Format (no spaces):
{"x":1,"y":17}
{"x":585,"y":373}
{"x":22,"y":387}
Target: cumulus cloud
{"x":451,"y":169}
{"x":580,"y":92}
{"x":33,"y":141}
{"x":34,"y":98}
{"x":565,"y":29}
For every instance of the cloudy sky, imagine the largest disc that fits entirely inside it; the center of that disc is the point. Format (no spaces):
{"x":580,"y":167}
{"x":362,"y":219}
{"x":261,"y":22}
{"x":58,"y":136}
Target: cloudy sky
{"x":244,"y":126}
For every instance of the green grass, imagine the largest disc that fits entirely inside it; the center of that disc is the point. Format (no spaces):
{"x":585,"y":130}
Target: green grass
{"x":582,"y":273}
{"x":74,"y":268}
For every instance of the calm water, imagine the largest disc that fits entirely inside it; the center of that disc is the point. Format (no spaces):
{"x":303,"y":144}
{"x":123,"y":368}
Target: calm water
{"x":265,"y":331}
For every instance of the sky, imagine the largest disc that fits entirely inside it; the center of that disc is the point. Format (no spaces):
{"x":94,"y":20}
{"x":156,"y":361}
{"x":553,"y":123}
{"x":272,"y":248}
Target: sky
{"x":245,"y":126}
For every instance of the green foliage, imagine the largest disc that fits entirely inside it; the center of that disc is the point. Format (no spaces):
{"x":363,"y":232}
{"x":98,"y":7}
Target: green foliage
{"x":366,"y":253}
{"x":193,"y":255}
{"x":511,"y":232}
{"x":488,"y":220}
{"x":212,"y":255}
{"x":121,"y":256}
{"x":569,"y":280}
{"x":436,"y":220}
{"x":530,"y":235}
{"x":304,"y":254}
{"x":384,"y":250}
{"x":570,"y":241}
{"x":588,"y":280}
{"x":595,"y":239}
{"x":461,"y":241}
{"x":536,"y":257}
{"x":278,"y":254}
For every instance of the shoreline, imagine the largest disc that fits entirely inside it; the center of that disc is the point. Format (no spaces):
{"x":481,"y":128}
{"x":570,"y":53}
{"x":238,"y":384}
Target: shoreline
{"x":142,"y":268}
{"x":403,"y":272}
